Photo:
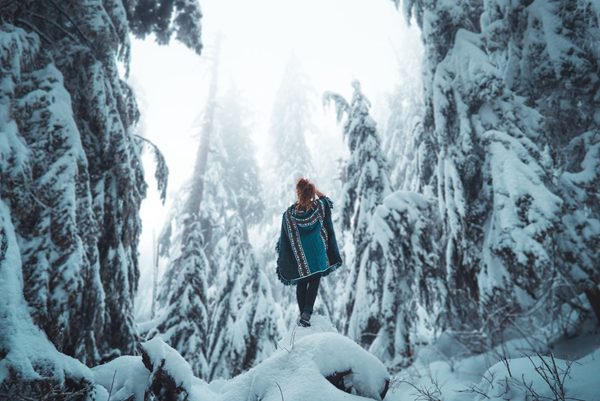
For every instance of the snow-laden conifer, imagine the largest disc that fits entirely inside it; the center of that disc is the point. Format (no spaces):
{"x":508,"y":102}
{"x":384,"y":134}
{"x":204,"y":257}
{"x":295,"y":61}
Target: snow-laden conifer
{"x":500,"y":110}
{"x":291,"y":120}
{"x":183,"y":322}
{"x":548,"y":56}
{"x":244,"y":324}
{"x":73,"y":179}
{"x":366,"y":183}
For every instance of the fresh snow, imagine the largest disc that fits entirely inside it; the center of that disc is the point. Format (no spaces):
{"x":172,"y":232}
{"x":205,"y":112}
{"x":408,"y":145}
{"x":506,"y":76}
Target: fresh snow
{"x":297,"y":369}
{"x":503,"y":373}
{"x":121,"y":378}
{"x":30,"y":355}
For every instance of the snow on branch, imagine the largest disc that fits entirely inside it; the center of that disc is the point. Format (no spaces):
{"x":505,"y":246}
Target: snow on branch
{"x":341,"y":105}
{"x":162,"y":170}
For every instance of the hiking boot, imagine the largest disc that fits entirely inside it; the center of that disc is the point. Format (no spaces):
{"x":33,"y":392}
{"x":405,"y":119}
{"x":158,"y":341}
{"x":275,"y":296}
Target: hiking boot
{"x":304,"y":320}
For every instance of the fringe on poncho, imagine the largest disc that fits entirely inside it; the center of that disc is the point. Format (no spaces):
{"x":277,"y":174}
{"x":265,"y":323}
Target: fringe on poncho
{"x":307,"y":246}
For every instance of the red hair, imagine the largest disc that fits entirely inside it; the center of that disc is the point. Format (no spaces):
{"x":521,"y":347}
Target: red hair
{"x":306,"y":192}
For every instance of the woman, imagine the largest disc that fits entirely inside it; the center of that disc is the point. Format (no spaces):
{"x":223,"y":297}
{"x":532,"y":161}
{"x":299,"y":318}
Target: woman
{"x":307,"y":248}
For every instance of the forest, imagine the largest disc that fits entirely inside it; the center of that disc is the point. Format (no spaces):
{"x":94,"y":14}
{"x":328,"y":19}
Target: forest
{"x":460,"y":159}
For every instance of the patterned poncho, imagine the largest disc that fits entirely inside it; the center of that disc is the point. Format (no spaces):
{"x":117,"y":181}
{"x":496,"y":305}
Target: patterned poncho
{"x":307,"y":246}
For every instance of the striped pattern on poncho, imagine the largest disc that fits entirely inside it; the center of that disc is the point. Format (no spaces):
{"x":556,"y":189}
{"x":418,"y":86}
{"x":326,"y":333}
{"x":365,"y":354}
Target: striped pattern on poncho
{"x":307,"y":246}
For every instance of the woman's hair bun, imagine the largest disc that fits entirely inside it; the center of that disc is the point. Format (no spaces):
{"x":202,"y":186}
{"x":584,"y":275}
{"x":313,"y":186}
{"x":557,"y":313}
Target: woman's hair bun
{"x":306,"y":192}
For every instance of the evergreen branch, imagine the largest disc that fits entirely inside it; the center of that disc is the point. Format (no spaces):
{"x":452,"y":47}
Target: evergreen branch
{"x":162,"y":170}
{"x":69,"y":34}
{"x":66,"y":15}
{"x":341,"y":105}
{"x":35,"y":29}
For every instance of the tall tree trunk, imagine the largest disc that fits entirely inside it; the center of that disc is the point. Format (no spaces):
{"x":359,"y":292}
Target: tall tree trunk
{"x":593,"y":296}
{"x":195,"y":199}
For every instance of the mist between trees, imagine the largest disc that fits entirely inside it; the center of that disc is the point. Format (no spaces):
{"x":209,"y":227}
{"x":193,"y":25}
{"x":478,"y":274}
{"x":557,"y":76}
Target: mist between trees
{"x":471,"y":211}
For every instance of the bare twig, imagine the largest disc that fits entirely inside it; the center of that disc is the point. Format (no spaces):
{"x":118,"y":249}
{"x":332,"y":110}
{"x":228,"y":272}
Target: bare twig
{"x":280,"y":391}
{"x":552,"y":375}
{"x":475,"y":390}
{"x":112,"y":383}
{"x":426,"y":393}
{"x":293,"y":338}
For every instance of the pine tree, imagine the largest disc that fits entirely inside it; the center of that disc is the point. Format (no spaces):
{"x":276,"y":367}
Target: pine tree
{"x":165,"y":17}
{"x":241,"y":174}
{"x":183,"y":323}
{"x":402,"y":139}
{"x":75,"y":187}
{"x":20,"y":173}
{"x":559,"y":64}
{"x":413,"y":294}
{"x":366,"y":184}
{"x":244,"y":329}
{"x":184,"y":243}
{"x":225,"y":197}
{"x":289,"y":155}
{"x":494,"y":117}
{"x":395,"y":267}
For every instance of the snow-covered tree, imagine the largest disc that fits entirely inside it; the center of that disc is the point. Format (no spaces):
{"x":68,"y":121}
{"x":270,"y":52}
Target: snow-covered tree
{"x":240,"y":176}
{"x":165,"y":18}
{"x":225,"y":195}
{"x":245,"y":316}
{"x":289,"y":157}
{"x":396,"y":285}
{"x":403,"y":141}
{"x":52,"y":205}
{"x":494,"y":103}
{"x":405,"y":235}
{"x":366,"y":183}
{"x":71,"y":176}
{"x":183,"y":323}
{"x":183,"y":243}
{"x":549,"y":57}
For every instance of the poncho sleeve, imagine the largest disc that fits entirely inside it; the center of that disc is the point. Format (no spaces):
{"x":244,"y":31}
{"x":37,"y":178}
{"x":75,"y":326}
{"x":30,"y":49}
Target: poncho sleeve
{"x":286,"y":264}
{"x":333,"y":252}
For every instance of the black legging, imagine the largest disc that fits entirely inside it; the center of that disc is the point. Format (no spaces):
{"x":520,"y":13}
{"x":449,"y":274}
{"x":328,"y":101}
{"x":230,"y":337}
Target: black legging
{"x":306,"y":294}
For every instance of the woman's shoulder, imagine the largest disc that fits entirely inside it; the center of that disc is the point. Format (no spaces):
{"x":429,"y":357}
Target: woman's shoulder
{"x":289,"y":209}
{"x":326,"y":201}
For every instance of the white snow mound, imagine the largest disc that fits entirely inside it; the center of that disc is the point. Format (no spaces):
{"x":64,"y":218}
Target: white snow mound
{"x":296,"y":371}
{"x":299,"y":373}
{"x":125,"y":376}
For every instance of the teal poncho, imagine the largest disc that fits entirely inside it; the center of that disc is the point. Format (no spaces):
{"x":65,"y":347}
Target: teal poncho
{"x":307,"y":246}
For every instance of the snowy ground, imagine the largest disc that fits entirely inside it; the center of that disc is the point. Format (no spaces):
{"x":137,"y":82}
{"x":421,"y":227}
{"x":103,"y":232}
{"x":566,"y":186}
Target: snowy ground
{"x":510,"y":372}
{"x":297,"y":371}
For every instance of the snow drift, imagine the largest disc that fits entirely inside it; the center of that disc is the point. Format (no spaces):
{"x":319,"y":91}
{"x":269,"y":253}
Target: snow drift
{"x":309,"y":364}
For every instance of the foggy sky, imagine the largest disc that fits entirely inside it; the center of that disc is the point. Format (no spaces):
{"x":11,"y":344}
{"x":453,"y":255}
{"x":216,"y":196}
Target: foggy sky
{"x":336,"y":40}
